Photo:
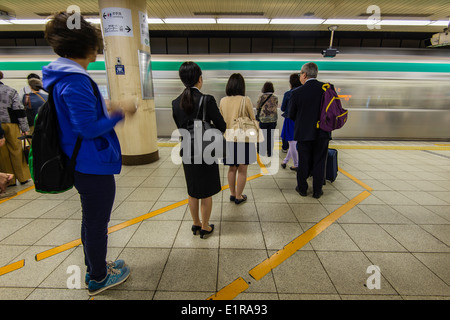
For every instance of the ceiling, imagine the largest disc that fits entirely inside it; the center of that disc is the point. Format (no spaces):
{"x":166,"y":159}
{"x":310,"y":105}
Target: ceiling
{"x":430,"y":10}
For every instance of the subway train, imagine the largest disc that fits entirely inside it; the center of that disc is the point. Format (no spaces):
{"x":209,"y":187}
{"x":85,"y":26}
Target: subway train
{"x":389,"y":96}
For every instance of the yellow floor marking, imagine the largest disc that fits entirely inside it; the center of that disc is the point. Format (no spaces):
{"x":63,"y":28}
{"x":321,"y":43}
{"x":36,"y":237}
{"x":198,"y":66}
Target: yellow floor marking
{"x":17,"y":194}
{"x":362,"y":184}
{"x":120,"y":226}
{"x":231,"y":291}
{"x":12,"y":267}
{"x":167,"y":144}
{"x":49,"y":253}
{"x":275,"y":260}
{"x":261,"y":165}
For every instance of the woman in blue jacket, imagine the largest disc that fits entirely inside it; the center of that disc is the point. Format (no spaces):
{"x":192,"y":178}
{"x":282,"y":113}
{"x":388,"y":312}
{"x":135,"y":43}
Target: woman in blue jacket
{"x":81,"y":112}
{"x":287,"y":133}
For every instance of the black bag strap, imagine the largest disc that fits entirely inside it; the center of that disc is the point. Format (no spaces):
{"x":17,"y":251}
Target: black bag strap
{"x":262,"y":105}
{"x":201,"y":105}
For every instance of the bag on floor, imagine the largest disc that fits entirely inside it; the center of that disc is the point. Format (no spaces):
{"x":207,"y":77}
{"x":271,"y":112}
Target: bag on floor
{"x":332,"y":165}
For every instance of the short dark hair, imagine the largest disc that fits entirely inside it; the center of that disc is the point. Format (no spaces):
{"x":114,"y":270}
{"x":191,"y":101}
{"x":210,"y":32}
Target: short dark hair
{"x":72,"y":43}
{"x":235,"y":85}
{"x":268,"y":87}
{"x":33,"y":76}
{"x":294,"y":80}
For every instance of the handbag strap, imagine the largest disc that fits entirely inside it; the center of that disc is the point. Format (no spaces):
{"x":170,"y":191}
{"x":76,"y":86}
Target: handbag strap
{"x":270,"y":96}
{"x":241,"y":108}
{"x":262,"y":105}
{"x":200,"y":105}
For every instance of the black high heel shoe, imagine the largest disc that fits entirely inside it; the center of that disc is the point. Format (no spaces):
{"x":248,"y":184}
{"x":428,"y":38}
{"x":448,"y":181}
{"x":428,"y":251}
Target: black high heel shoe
{"x":205,"y":232}
{"x":195,"y":229}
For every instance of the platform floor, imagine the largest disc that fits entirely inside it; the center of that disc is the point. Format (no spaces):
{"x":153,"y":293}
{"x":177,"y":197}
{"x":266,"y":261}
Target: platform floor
{"x":389,"y":207}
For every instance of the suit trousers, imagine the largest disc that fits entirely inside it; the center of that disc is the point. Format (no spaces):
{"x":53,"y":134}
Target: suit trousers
{"x":312,"y":156}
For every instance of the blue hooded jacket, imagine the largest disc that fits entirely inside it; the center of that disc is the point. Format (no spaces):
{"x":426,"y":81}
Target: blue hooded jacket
{"x":80,"y":113}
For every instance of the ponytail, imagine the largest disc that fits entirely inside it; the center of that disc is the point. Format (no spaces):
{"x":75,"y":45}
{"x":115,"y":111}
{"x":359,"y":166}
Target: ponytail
{"x":189,"y":74}
{"x":187,"y":101}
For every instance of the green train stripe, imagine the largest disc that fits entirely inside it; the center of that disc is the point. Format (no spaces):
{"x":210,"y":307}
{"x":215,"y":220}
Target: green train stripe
{"x":260,"y":65}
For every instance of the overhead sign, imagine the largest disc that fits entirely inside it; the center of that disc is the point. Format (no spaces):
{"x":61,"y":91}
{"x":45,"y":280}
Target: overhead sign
{"x":117,"y":22}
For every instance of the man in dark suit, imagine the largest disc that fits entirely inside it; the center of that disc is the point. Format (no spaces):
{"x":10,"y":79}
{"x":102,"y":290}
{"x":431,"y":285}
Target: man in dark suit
{"x":312,"y":142}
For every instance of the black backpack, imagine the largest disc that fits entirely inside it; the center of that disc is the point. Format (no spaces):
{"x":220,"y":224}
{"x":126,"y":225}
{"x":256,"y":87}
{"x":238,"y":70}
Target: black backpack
{"x":51,"y":170}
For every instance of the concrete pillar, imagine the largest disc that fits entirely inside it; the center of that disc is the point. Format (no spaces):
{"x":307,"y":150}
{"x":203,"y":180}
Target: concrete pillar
{"x":127,"y":48}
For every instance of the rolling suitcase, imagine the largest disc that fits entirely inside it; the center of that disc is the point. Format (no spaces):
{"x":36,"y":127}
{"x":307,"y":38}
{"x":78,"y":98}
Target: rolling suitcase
{"x":332,"y":165}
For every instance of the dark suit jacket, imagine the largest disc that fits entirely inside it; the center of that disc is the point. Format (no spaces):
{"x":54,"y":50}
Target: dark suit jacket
{"x":212,"y":112}
{"x":304,"y":109}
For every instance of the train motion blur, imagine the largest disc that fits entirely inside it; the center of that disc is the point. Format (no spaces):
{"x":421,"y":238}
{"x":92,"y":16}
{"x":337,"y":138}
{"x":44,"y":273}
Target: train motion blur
{"x":389,"y":97}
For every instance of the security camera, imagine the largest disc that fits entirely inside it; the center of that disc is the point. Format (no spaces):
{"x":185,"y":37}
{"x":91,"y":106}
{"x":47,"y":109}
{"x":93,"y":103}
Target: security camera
{"x":331,"y":52}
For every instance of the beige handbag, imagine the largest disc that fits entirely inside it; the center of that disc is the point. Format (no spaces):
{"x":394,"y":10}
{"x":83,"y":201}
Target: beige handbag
{"x":244,"y":129}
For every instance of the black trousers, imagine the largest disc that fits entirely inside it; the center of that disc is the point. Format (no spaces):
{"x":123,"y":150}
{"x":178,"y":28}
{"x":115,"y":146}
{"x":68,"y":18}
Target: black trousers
{"x":312,"y":156}
{"x":97,"y":193}
{"x":266,"y":147}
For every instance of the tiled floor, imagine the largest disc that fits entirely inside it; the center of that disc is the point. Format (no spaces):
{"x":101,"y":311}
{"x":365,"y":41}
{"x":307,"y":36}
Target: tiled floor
{"x":403,"y":227}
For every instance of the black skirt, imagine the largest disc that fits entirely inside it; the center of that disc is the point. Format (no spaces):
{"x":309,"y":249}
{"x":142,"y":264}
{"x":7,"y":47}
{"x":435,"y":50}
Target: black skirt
{"x":240,"y":153}
{"x":202,"y":180}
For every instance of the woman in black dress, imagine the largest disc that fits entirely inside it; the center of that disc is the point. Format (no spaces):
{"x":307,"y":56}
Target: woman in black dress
{"x":203,"y":180}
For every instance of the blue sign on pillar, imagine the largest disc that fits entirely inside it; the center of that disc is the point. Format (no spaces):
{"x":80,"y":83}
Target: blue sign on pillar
{"x":120,"y":69}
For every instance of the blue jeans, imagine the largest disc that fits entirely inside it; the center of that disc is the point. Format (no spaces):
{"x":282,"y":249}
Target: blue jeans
{"x":97,"y":193}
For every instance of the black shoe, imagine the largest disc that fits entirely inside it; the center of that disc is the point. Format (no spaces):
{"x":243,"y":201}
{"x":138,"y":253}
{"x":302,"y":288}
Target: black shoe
{"x":232,"y":198}
{"x":283,"y":165}
{"x":317,"y":195}
{"x":204,"y":232}
{"x":195,"y":229}
{"x":294,"y":168}
{"x":239,"y":201}
{"x":302,"y":193}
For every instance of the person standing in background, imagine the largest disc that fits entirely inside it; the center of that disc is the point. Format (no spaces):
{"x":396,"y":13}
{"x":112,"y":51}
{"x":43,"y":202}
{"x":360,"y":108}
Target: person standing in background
{"x":312,"y":142}
{"x":14,"y":124}
{"x":239,"y":154}
{"x":287,"y":133}
{"x":267,"y":114}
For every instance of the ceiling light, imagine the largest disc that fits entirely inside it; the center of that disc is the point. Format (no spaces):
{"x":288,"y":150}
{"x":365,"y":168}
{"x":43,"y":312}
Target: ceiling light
{"x":189,"y":21}
{"x":404,"y":22}
{"x":440,"y":23}
{"x":29,"y":21}
{"x":154,"y":21}
{"x":297,"y":21}
{"x":94,"y":20}
{"x":242,"y":21}
{"x":347,"y":21}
